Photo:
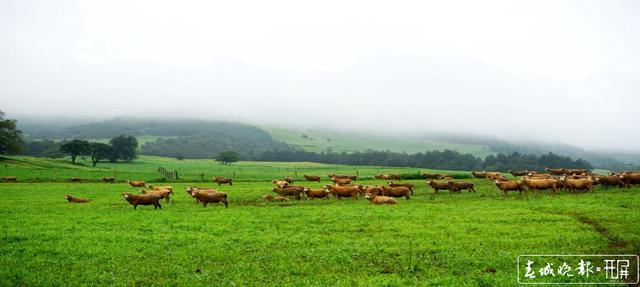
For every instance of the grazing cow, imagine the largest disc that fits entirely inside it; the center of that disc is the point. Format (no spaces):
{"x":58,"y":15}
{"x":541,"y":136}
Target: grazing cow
{"x":371,"y":189}
{"x":518,"y":172}
{"x":75,"y":179}
{"x":506,"y":185}
{"x":609,"y":180}
{"x":341,"y":181}
{"x":580,"y":184}
{"x":557,"y":171}
{"x":143,"y":199}
{"x":630,"y":178}
{"x":222,"y":180}
{"x":399,"y":191}
{"x":343,"y":191}
{"x":288,"y":179}
{"x":75,"y":199}
{"x":161,"y":187}
{"x":280,"y":183}
{"x":407,"y":185}
{"x":378,"y":199}
{"x":458,"y":186}
{"x":540,"y":184}
{"x":312,"y":178}
{"x":163,"y":193}
{"x":214,"y":197}
{"x":267,"y":197}
{"x":441,"y":186}
{"x":136,"y":183}
{"x":108,"y":179}
{"x":289,"y":191}
{"x":316,"y":193}
{"x":9,"y":178}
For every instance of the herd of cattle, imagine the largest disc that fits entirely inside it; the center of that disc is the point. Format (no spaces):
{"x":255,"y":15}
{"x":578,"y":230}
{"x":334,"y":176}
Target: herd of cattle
{"x":570,"y":180}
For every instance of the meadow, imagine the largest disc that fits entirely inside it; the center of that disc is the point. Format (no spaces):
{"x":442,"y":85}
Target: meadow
{"x":441,"y":239}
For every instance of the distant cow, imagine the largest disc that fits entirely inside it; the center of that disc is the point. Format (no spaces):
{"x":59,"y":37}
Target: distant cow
{"x":407,"y":185}
{"x":557,"y":171}
{"x":9,"y":178}
{"x":343,"y":191}
{"x":458,"y":186}
{"x":431,"y":175}
{"x":518,"y":172}
{"x":222,"y":180}
{"x":75,"y":179}
{"x":312,"y":178}
{"x":108,"y":179}
{"x":137,"y":183}
{"x":288,"y":179}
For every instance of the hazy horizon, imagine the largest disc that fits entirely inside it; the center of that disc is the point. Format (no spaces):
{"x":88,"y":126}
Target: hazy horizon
{"x":549,"y":71}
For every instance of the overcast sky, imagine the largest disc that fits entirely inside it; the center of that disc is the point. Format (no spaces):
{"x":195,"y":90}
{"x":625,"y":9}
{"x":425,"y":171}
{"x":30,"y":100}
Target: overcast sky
{"x":566,"y":71}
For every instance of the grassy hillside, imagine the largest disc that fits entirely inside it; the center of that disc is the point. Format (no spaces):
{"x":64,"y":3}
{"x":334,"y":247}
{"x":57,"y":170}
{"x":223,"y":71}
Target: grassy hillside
{"x":318,"y":141}
{"x":468,"y":239}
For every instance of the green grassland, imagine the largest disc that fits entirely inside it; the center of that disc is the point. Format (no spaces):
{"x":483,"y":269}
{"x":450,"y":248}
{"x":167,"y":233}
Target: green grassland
{"x":432,"y":239}
{"x":316,"y":141}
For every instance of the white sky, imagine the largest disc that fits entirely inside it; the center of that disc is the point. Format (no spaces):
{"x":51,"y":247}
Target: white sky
{"x":566,"y":71}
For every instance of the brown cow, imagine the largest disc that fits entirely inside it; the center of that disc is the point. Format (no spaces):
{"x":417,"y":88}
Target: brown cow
{"x":108,"y":179}
{"x":441,"y":185}
{"x":214,"y":197}
{"x":351,"y":177}
{"x":222,"y":180}
{"x":580,"y":184}
{"x":343,"y":191}
{"x":163,"y":193}
{"x":75,"y":199}
{"x":431,"y":175}
{"x":136,"y":183}
{"x":400,"y":191}
{"x":630,"y":178}
{"x":378,"y":199}
{"x":609,"y":180}
{"x":288,"y":191}
{"x":375,"y":190}
{"x":506,"y":185}
{"x":540,"y":184}
{"x":142,"y":199}
{"x":312,"y":193}
{"x":478,"y":174}
{"x":312,"y":178}
{"x":9,"y":178}
{"x":407,"y":185}
{"x":458,"y":186}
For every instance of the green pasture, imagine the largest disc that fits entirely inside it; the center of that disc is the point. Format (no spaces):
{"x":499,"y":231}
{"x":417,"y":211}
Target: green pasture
{"x":467,"y":239}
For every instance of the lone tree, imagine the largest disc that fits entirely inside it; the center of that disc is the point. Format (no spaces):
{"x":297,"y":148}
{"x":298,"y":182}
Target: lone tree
{"x":75,"y":148}
{"x":10,"y":136}
{"x":123,"y":147}
{"x":227,"y":157}
{"x":98,"y":152}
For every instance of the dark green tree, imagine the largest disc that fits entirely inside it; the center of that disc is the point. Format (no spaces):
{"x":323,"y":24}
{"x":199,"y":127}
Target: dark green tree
{"x":123,"y":147}
{"x":228,"y":156}
{"x":10,"y":136}
{"x":98,"y":152}
{"x":75,"y":148}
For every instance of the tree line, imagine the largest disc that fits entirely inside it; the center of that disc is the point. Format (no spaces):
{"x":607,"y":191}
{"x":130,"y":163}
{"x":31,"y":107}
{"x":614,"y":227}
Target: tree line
{"x":446,"y":159}
{"x":122,"y":147}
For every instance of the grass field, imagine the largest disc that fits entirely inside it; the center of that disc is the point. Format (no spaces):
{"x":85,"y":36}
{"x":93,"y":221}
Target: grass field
{"x":444,"y":239}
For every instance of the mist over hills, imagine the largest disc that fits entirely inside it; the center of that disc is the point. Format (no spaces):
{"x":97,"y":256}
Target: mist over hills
{"x":192,"y":138}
